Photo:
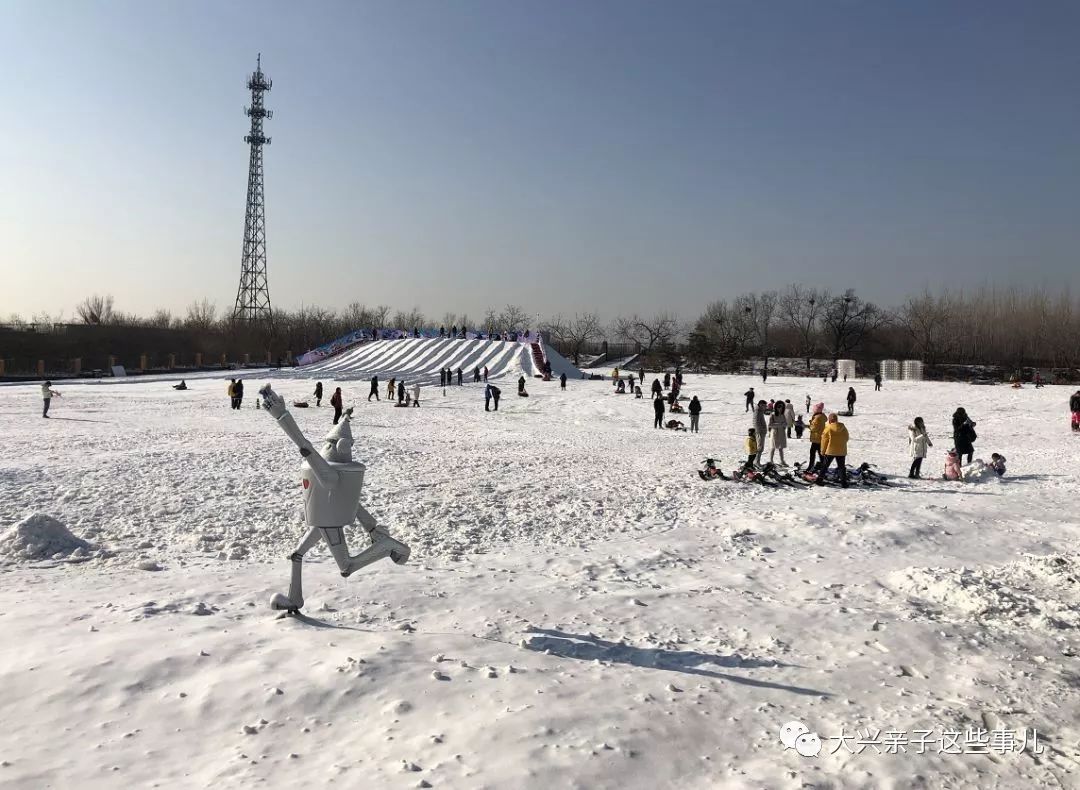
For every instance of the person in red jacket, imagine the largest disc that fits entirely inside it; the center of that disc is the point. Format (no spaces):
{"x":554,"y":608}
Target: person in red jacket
{"x":335,"y":401}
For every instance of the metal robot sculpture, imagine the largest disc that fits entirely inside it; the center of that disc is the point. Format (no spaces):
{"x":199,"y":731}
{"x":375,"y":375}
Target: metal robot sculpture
{"x":332,"y":481}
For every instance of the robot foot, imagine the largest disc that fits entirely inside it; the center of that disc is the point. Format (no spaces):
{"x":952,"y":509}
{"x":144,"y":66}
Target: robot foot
{"x":280,"y":601}
{"x":400,"y":556}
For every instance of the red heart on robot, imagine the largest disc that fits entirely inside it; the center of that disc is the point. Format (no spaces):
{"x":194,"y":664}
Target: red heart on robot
{"x":306,"y":483}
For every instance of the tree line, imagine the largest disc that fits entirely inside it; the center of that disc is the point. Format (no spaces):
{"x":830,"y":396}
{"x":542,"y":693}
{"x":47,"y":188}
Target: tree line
{"x":1011,"y":328}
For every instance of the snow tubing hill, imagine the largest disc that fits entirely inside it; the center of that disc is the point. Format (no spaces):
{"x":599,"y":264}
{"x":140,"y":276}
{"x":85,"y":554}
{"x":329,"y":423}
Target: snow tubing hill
{"x":419,"y":360}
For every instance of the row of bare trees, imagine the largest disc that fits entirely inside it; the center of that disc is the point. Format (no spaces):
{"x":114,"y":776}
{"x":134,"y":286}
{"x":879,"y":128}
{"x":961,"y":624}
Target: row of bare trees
{"x":1011,"y":327}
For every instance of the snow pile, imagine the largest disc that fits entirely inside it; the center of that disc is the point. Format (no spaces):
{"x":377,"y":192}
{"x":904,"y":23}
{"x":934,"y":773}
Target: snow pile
{"x":1034,"y":592}
{"x":42,"y":537}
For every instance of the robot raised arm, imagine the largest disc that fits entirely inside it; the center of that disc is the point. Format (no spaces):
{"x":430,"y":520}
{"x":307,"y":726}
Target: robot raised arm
{"x":275,"y":404}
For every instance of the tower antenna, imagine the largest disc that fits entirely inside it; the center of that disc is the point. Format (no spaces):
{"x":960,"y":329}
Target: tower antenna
{"x":253,"y":296}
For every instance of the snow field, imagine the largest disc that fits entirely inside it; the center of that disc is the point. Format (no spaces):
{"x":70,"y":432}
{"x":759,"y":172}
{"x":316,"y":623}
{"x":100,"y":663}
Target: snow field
{"x":581,"y":610}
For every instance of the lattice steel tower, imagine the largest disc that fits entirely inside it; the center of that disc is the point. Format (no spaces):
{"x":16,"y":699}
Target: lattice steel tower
{"x":253,"y":297}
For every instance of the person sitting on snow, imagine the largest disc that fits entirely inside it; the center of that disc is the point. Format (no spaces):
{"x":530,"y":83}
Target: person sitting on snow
{"x":997,"y":463}
{"x":620,"y":388}
{"x":675,"y":425}
{"x":711,"y":471}
{"x":952,"y":466}
{"x":181,"y":386}
{"x":637,"y":392}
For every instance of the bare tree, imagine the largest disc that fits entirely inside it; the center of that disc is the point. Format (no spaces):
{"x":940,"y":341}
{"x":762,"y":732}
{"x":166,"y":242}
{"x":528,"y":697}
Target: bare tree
{"x":800,"y":311}
{"x":201,"y":315}
{"x":161,"y":318}
{"x":648,"y":334}
{"x":848,"y":321}
{"x":575,"y":333}
{"x":413,"y":319}
{"x":513,"y":319}
{"x":925,"y":318}
{"x":491,"y":321}
{"x":95,"y":309}
{"x":761,"y":310}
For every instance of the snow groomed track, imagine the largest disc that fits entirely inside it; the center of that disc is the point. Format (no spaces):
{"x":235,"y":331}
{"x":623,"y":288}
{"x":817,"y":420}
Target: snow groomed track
{"x":420,"y":360}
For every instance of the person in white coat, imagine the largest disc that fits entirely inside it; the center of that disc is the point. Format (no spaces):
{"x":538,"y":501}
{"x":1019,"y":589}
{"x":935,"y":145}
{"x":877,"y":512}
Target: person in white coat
{"x":789,"y":415}
{"x":47,"y":393}
{"x":416,"y":394}
{"x":918,"y":442}
{"x":778,"y":433}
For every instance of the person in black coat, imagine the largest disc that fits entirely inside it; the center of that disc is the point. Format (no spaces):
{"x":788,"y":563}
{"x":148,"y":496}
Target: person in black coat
{"x":401,"y":391}
{"x":877,"y":382}
{"x":476,"y":374}
{"x":695,"y":411}
{"x":442,"y":377}
{"x":749,"y":399}
{"x":657,"y":389}
{"x":963,"y":434}
{"x":459,"y":376}
{"x":239,"y":390}
{"x":658,"y":411}
{"x":851,"y":400}
{"x":667,"y":380}
{"x":521,"y":384}
{"x":1074,"y":407}
{"x":318,"y":393}
{"x":562,"y":381}
{"x":374,"y":388}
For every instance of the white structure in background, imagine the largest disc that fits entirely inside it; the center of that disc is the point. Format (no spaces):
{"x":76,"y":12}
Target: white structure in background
{"x":845,"y":369}
{"x":913,"y":370}
{"x":890,"y":370}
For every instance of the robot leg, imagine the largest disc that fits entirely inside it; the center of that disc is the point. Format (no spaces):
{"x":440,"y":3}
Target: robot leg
{"x":399,"y":552}
{"x":295,"y":599}
{"x":382,"y":546}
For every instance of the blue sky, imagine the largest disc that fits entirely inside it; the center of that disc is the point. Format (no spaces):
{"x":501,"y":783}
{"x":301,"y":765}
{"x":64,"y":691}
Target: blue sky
{"x":627,"y":156}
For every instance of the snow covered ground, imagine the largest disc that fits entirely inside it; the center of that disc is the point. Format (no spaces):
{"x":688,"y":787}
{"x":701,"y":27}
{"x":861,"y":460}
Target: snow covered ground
{"x":580,"y":611}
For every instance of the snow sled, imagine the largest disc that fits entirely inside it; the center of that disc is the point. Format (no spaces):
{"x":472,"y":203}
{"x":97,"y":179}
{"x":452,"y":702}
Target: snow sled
{"x":771,"y":471}
{"x":300,"y":404}
{"x":711,"y":471}
{"x":748,"y":474}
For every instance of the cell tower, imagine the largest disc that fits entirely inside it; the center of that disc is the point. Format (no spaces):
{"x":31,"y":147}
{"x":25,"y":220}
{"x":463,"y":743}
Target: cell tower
{"x":253,"y":297}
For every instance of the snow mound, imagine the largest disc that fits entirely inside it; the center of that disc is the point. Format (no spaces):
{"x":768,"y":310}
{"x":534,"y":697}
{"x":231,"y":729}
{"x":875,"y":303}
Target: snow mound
{"x":42,"y":537}
{"x":1034,"y":592}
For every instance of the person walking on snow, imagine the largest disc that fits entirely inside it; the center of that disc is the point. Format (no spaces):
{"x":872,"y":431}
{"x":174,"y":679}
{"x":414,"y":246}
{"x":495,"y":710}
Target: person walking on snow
{"x":238,"y":391}
{"x":834,"y":441}
{"x":789,"y":415}
{"x":807,"y":404}
{"x":658,"y":412}
{"x":231,"y":390}
{"x":918,"y":443}
{"x":562,"y":381}
{"x":318,"y":393}
{"x":459,"y":376}
{"x":761,"y":428}
{"x":1074,"y":410}
{"x":401,"y":391}
{"x":476,"y":375}
{"x":485,"y":373}
{"x":416,"y":394}
{"x":695,"y":413}
{"x":374,"y":388}
{"x":391,"y":387}
{"x":817,"y":427}
{"x":778,"y":433}
{"x":877,"y":382}
{"x":335,"y":401}
{"x":47,"y":393}
{"x":749,"y":399}
{"x":851,"y":401}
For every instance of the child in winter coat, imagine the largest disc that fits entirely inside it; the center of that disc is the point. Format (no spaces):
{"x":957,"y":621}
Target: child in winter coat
{"x":817,"y":426}
{"x":952,"y":466}
{"x":752,"y":447}
{"x":997,"y":463}
{"x":799,"y":426}
{"x":918,"y":442}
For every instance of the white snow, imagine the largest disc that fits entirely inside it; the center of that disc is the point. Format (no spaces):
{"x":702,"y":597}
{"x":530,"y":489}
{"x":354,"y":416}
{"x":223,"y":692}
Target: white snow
{"x":580,"y":610}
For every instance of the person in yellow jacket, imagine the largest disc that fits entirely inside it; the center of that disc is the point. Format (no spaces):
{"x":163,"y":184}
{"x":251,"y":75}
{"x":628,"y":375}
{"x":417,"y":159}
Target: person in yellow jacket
{"x":834,"y":441}
{"x":231,"y":390}
{"x":752,"y":447}
{"x":817,"y":425}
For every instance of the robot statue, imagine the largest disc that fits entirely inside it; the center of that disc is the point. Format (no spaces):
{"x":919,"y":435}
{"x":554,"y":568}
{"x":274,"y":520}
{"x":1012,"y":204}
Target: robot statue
{"x":332,"y":481}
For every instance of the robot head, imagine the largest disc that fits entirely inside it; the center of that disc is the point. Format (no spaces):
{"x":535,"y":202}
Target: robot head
{"x":337,"y":446}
